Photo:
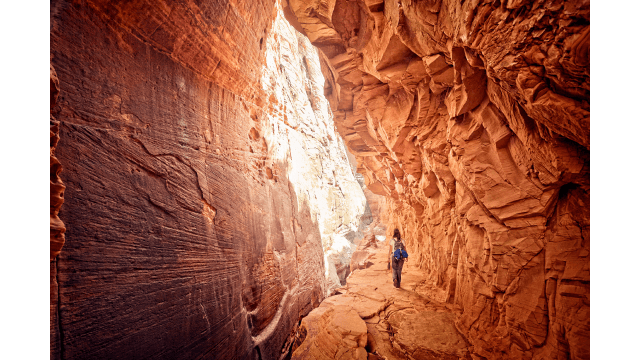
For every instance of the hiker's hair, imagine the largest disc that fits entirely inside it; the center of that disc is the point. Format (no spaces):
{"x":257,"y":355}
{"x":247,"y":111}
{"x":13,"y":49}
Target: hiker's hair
{"x":396,"y":234}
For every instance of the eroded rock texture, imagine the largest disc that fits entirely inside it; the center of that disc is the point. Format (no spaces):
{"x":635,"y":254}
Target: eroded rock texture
{"x":55,"y":183}
{"x":203,"y":175}
{"x":472,"y":118}
{"x":56,"y":225}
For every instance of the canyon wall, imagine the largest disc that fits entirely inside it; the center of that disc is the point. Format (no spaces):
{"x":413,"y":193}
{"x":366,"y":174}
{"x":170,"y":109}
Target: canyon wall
{"x":472,"y":119}
{"x":203,"y":177}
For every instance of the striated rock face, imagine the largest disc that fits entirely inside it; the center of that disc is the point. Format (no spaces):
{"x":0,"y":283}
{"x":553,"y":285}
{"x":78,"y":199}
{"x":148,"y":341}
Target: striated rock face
{"x":472,"y":118}
{"x":203,"y":173}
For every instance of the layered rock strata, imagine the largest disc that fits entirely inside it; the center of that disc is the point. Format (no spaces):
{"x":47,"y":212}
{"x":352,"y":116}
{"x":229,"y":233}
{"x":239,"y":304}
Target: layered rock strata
{"x":472,"y":118}
{"x":203,"y":175}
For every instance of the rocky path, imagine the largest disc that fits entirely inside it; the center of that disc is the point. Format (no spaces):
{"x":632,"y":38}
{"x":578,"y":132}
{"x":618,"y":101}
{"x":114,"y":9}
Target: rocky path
{"x":370,"y":319}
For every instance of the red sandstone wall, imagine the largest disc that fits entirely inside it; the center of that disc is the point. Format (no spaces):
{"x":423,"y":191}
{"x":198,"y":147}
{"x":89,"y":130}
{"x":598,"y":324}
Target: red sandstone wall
{"x":184,"y":238}
{"x":472,"y":118}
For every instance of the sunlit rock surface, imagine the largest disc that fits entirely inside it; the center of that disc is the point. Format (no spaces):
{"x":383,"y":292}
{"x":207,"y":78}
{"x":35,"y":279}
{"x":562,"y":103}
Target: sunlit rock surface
{"x":472,"y":118}
{"x":303,"y":134}
{"x":204,"y":177}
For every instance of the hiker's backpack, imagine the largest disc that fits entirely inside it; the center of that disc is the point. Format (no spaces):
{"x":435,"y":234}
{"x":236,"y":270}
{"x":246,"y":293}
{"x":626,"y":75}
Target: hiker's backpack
{"x":400,"y":254}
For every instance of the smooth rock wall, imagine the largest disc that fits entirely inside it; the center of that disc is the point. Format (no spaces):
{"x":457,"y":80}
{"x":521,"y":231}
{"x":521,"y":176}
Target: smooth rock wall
{"x":472,"y":118}
{"x":193,"y":230}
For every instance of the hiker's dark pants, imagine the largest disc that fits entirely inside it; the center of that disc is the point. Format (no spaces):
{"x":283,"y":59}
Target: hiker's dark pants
{"x":397,"y":271}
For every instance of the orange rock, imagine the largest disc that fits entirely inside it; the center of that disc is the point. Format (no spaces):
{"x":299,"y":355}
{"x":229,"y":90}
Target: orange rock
{"x":482,"y":156}
{"x":56,"y":185}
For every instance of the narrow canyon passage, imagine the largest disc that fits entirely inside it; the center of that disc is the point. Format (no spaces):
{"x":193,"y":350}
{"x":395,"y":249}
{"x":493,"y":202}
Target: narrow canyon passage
{"x":226,"y":176}
{"x":371,"y":319}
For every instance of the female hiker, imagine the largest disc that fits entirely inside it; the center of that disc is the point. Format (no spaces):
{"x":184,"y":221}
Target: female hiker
{"x":397,"y":255}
